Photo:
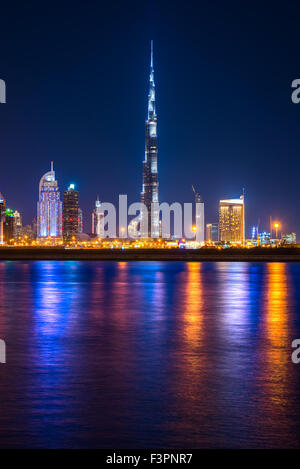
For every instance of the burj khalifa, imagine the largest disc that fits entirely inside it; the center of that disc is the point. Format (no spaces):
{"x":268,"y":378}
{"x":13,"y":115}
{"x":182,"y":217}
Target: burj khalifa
{"x":149,"y":195}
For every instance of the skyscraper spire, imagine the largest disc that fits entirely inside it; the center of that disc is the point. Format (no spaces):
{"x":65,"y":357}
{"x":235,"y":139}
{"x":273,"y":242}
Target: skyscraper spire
{"x":151,"y":54}
{"x":151,"y":95}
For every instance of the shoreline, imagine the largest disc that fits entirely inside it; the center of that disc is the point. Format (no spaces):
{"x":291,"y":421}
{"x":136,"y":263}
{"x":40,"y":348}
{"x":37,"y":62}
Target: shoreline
{"x":197,"y":255}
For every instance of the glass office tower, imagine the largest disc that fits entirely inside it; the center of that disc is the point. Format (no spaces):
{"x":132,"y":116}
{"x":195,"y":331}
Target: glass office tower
{"x":232,"y":220}
{"x":70,"y":214}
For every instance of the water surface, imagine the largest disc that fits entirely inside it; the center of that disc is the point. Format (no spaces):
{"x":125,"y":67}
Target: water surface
{"x":146,"y":355}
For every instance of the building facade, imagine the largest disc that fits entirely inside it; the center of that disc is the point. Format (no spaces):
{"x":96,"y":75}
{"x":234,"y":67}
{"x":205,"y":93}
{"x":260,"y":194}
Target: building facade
{"x":70,"y":214}
{"x":212,"y":232}
{"x":264,"y":238}
{"x":2,"y":216}
{"x":288,"y":238}
{"x":254,"y":233}
{"x":80,"y":221}
{"x":150,"y":227}
{"x":199,"y":216}
{"x":29,"y":232}
{"x":97,"y":217}
{"x":17,"y":224}
{"x":49,"y":207}
{"x":8,"y":226}
{"x":232,"y":220}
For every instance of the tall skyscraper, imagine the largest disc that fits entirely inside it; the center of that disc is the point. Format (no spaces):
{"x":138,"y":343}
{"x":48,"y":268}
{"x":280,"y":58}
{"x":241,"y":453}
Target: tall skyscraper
{"x":232,"y":220}
{"x":254,"y":233}
{"x":212,"y":232}
{"x":70,"y":214}
{"x":199,"y":216}
{"x":149,"y":193}
{"x":49,"y":207}
{"x":8,"y":226}
{"x":29,"y":232}
{"x":2,"y":215}
{"x":97,"y":216}
{"x":80,"y":221}
{"x":17,"y":224}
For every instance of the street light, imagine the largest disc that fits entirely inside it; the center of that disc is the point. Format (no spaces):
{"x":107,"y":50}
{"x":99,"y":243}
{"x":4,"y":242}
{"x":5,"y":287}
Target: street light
{"x":194,"y":229}
{"x":276,"y":226}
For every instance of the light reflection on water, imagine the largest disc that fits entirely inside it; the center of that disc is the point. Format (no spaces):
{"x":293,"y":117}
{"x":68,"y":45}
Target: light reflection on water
{"x":157,"y":354}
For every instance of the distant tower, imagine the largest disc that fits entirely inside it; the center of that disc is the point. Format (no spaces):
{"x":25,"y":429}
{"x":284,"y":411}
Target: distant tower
{"x":70,"y":214}
{"x":232,"y":220}
{"x":49,"y":207}
{"x":2,"y":216}
{"x":212,"y":232}
{"x":97,"y":215}
{"x":17,"y":224}
{"x":149,"y":193}
{"x":199,"y":216}
{"x":80,"y":221}
{"x":8,"y":226}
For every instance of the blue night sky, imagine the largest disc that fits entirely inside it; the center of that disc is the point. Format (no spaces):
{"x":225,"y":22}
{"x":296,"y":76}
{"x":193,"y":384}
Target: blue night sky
{"x":77,"y":82}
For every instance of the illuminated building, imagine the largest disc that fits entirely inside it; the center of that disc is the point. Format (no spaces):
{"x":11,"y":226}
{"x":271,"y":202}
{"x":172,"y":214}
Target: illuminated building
{"x":254,"y":232}
{"x":70,"y":214}
{"x":34,"y":228}
{"x":29,"y":232}
{"x":212,"y":232}
{"x":264,"y":238}
{"x":149,"y":193}
{"x":17,"y":224}
{"x":80,"y":221}
{"x":49,"y":207}
{"x":8,"y":226}
{"x":288,"y":238}
{"x":199,"y":217}
{"x":232,"y":220}
{"x":2,"y":215}
{"x":97,"y":215}
{"x":133,"y":229}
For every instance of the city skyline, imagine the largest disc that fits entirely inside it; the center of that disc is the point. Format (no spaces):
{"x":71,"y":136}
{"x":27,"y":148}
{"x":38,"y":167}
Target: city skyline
{"x":63,"y":219}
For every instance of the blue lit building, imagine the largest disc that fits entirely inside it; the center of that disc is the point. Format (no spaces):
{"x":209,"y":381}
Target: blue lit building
{"x":149,"y":193}
{"x":254,"y":232}
{"x":264,"y":238}
{"x":49,"y":207}
{"x":288,"y":238}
